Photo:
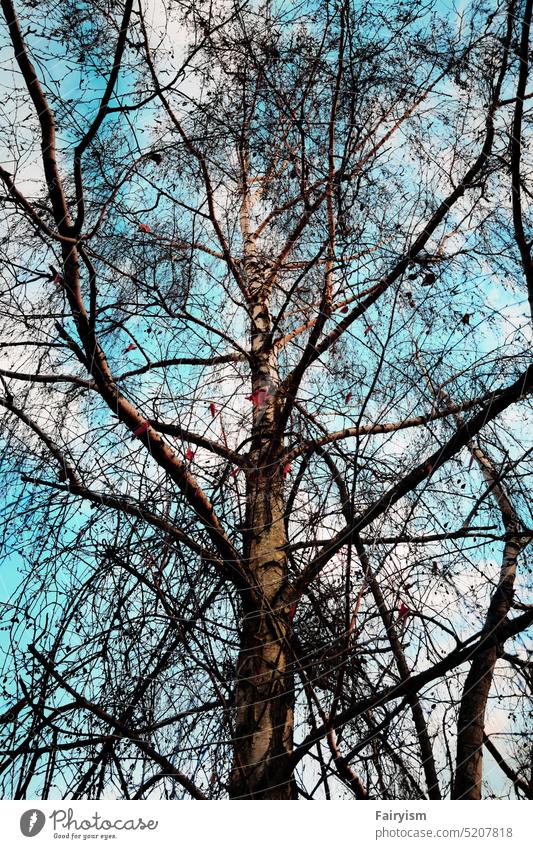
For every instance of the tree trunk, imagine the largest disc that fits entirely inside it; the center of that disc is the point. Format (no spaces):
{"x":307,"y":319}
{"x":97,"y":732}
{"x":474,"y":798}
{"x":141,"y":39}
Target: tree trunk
{"x":264,"y":691}
{"x":471,"y":722}
{"x":264,"y":697}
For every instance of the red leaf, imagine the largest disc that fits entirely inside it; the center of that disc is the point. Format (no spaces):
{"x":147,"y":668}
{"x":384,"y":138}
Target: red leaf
{"x":345,"y":308}
{"x":286,"y":470}
{"x":130,"y":347}
{"x":234,"y":472}
{"x":141,"y":429}
{"x":348,"y":398}
{"x":429,"y":468}
{"x":189,"y":454}
{"x":144,"y":228}
{"x":292,"y":611}
{"x":404,"y":610}
{"x":258,"y":397}
{"x":368,"y":328}
{"x":212,"y":409}
{"x":466,"y":318}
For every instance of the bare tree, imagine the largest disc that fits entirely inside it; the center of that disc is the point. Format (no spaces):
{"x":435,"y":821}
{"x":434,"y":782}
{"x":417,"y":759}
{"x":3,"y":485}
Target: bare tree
{"x":266,"y":376}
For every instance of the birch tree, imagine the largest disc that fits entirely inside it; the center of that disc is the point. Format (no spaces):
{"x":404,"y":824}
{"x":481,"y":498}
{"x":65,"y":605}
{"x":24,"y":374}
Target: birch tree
{"x":266,"y":376}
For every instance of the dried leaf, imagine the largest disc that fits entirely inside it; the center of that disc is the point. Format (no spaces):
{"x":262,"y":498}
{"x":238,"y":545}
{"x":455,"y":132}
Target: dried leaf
{"x":404,"y":611}
{"x":141,"y":429}
{"x":258,"y":398}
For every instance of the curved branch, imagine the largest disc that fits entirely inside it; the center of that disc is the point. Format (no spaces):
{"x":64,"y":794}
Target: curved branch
{"x":389,"y":427}
{"x":424,"y":470}
{"x":121,"y":729}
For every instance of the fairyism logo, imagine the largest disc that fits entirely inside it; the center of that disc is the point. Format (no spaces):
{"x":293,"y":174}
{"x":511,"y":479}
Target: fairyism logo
{"x":32,"y":822}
